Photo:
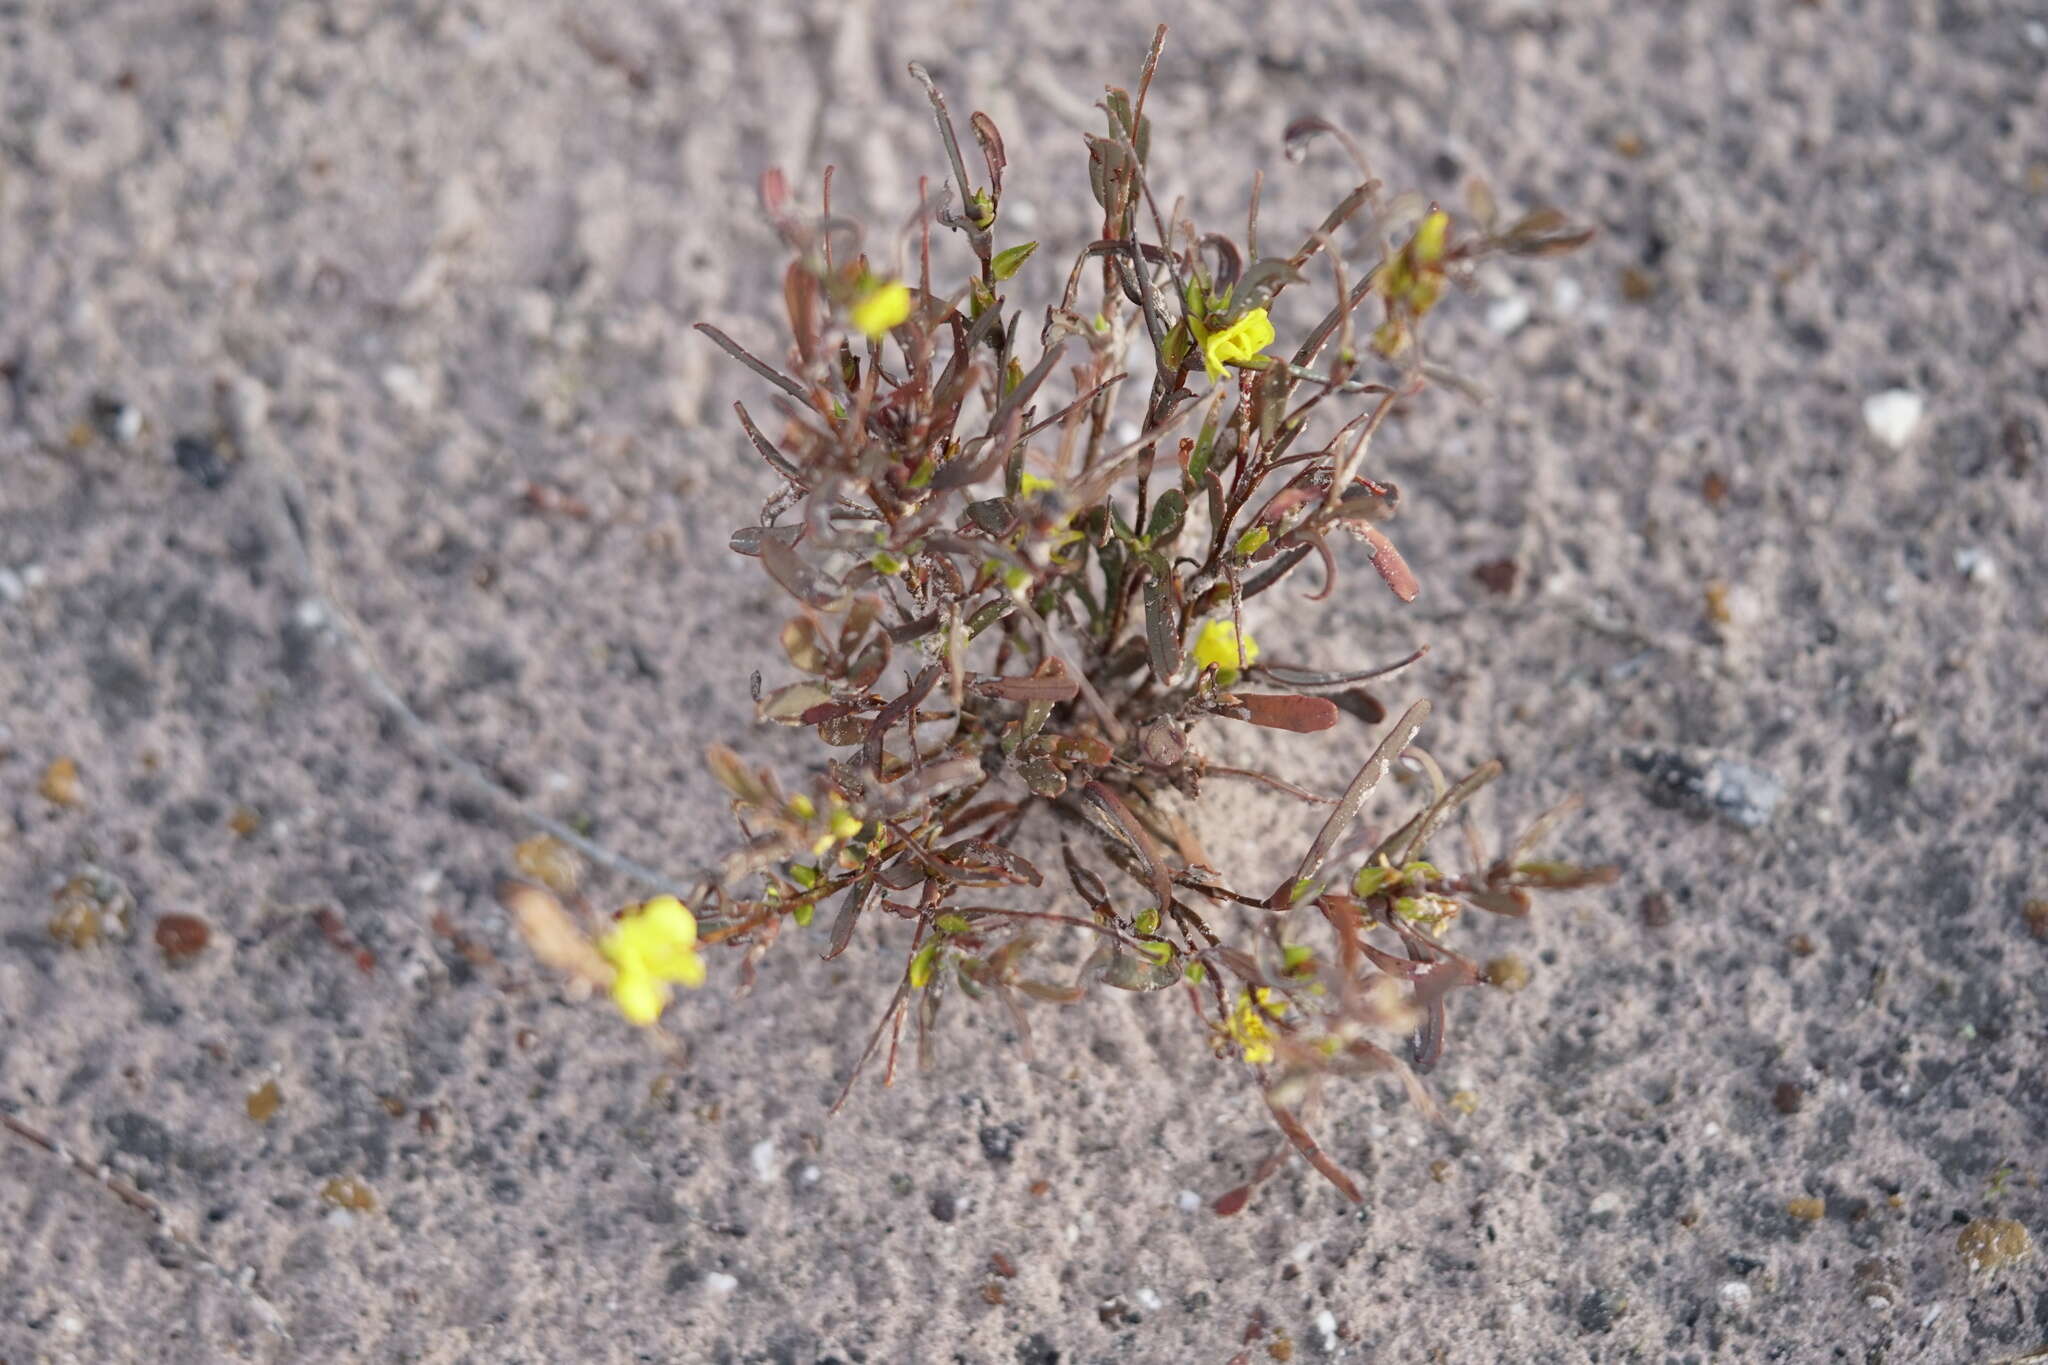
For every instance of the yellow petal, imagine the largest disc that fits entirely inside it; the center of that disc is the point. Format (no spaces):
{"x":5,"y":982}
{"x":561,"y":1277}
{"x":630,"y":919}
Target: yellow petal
{"x":671,"y":920}
{"x":639,"y":997}
{"x":1217,"y":644}
{"x":1240,"y":341}
{"x":883,"y":307}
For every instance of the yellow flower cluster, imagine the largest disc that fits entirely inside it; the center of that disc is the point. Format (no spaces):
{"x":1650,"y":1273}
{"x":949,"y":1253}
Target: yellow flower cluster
{"x":652,"y":946}
{"x":1251,"y":1025}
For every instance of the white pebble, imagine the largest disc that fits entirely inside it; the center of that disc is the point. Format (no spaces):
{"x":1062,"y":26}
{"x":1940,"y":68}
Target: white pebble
{"x":762,"y":1155}
{"x":1609,"y":1202}
{"x":809,"y":1175}
{"x":1567,"y":296}
{"x":1149,"y":1300}
{"x":409,"y":388}
{"x":1506,"y":316}
{"x":1927,"y":1318}
{"x":125,"y":424}
{"x":12,"y":589}
{"x":1893,"y":415}
{"x":718,"y":1282}
{"x":1975,"y":565}
{"x":1735,"y":1294}
{"x":2036,"y":32}
{"x":71,"y":1324}
{"x":310,"y":614}
{"x":1326,"y":1325}
{"x":1188,"y":1201}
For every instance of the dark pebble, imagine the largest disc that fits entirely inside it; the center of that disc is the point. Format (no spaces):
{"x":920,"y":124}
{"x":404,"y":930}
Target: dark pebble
{"x":203,"y":460}
{"x":1599,"y":1310}
{"x":999,"y":1141}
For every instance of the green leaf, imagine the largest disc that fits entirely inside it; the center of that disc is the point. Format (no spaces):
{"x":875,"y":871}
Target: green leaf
{"x":1010,"y":260}
{"x":802,"y":914}
{"x":952,"y":924}
{"x":921,"y":966}
{"x":1162,"y":645}
{"x":1168,"y":516}
{"x":1370,"y":881}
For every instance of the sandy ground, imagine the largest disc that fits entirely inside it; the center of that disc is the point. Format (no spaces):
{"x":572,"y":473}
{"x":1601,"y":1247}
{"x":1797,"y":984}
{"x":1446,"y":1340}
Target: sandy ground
{"x":427,"y":253}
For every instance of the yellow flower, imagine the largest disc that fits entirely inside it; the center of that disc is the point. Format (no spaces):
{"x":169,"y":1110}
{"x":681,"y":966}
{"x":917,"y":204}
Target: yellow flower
{"x":1250,"y":1023}
{"x":1030,"y":483}
{"x":1234,"y":345}
{"x":883,"y":305}
{"x":1217,"y":644}
{"x":649,"y":948}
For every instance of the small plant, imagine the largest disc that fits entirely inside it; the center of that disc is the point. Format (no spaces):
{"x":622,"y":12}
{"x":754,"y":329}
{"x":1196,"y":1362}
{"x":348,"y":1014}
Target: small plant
{"x":1021,"y":544}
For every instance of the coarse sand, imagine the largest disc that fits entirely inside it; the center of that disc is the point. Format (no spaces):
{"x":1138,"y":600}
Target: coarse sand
{"x":1749,"y":546}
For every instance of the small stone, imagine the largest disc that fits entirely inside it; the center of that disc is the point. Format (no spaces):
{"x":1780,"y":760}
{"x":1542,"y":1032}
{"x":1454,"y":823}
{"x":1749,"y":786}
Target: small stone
{"x":762,"y":1156}
{"x":1806,"y":1210}
{"x":1989,"y":1244}
{"x":408,"y":388}
{"x":1879,"y":1284}
{"x":12,"y":589}
{"x":1508,"y":973}
{"x":77,"y":923}
{"x":263,"y":1102}
{"x":1605,"y":1203}
{"x":1788,"y":1098}
{"x":1735,"y":1294}
{"x":2036,"y":914}
{"x":549,"y":861}
{"x":718,"y":1282}
{"x":1977,"y":568}
{"x":999,"y":1141}
{"x":116,"y":419}
{"x":1892,"y":416}
{"x":1599,"y":1310}
{"x":202,"y":460}
{"x":346,"y":1192}
{"x":1656,"y":909}
{"x":181,"y":937}
{"x":944,"y":1206}
{"x":1497,"y":575}
{"x":60,"y":785}
{"x":1740,"y":793}
{"x":1506,"y":316}
{"x":1187,"y":1201}
{"x":1637,"y":285}
{"x":244,"y":822}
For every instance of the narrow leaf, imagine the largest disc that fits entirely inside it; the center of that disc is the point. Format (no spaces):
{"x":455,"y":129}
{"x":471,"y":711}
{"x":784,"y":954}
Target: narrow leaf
{"x":1161,"y":643}
{"x":1303,"y":715}
{"x":1376,"y":767}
